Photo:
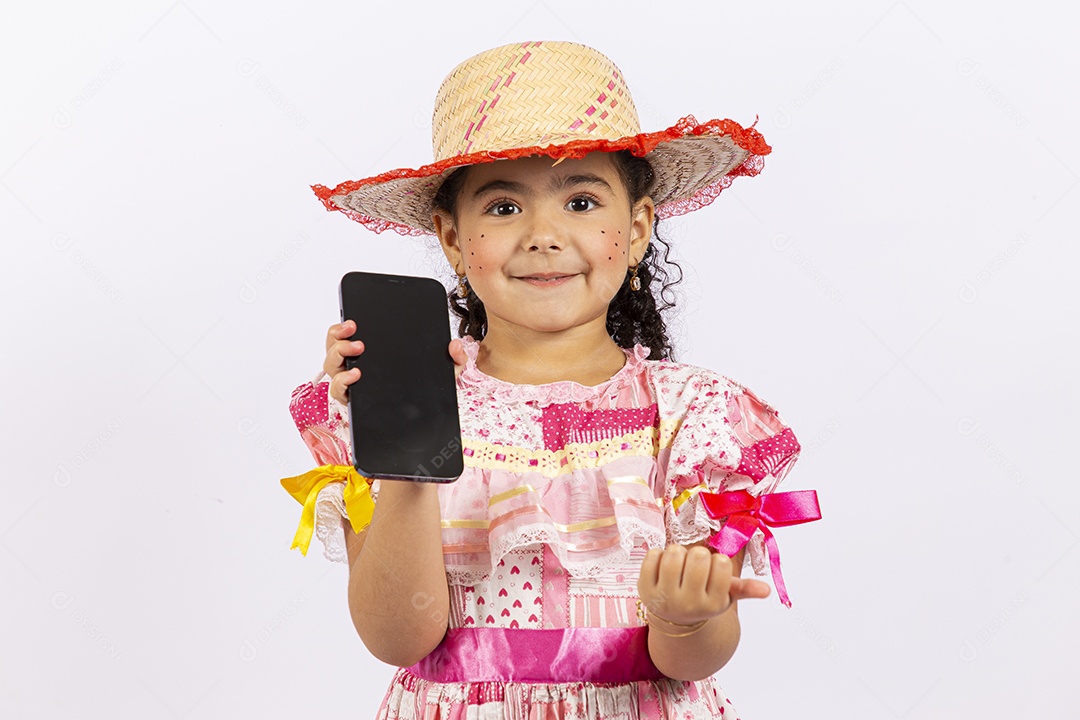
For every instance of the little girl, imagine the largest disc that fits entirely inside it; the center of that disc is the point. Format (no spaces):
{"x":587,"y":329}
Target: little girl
{"x":600,"y":476}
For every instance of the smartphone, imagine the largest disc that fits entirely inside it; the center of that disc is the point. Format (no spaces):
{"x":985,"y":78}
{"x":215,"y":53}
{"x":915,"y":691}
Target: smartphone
{"x":403,"y":410}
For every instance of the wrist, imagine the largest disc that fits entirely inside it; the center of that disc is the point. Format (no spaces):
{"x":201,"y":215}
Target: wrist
{"x":668,"y":627}
{"x":407,"y":488}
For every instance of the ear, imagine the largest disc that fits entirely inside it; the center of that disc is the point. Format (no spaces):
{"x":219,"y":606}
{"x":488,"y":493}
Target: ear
{"x":641,"y":225}
{"x":448,"y":239}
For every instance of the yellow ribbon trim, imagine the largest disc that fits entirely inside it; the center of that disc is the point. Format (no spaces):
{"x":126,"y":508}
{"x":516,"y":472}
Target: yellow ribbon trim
{"x":637,"y":479}
{"x":687,"y":494}
{"x":572,"y":527}
{"x":305,"y":489}
{"x":512,"y":492}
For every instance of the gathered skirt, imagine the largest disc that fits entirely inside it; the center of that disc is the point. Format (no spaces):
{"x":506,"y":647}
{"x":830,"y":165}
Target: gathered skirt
{"x":413,"y":698}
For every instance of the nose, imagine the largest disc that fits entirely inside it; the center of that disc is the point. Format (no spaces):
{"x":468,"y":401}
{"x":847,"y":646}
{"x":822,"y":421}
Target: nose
{"x":544,"y":234}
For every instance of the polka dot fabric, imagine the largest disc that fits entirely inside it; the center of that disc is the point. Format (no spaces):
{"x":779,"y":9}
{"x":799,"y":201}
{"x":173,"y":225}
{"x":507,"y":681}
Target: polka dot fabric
{"x":322,"y":421}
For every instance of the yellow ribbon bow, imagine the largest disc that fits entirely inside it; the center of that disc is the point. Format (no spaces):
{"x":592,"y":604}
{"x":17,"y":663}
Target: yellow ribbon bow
{"x":305,"y":488}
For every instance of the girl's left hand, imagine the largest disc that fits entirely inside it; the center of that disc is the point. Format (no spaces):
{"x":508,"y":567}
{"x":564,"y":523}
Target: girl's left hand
{"x":688,"y":584}
{"x":457,"y":352}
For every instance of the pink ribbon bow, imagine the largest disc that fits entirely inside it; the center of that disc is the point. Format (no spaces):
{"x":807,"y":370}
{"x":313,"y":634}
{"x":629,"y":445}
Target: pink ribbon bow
{"x":746,"y":513}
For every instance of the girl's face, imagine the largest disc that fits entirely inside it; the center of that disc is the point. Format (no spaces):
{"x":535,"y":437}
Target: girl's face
{"x":545,"y":247}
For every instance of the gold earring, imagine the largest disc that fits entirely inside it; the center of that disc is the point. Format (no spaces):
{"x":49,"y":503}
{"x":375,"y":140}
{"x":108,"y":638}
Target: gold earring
{"x":635,"y":281}
{"x":462,"y":289}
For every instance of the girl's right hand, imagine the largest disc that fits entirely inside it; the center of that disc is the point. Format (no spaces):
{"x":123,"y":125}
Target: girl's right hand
{"x":338,"y":347}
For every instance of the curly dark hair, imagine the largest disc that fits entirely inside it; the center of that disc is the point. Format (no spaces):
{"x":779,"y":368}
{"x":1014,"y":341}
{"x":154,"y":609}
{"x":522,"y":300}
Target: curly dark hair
{"x":633,"y":316}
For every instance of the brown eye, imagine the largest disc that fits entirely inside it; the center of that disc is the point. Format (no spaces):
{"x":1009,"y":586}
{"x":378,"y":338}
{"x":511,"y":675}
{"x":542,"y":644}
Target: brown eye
{"x":581,"y":204}
{"x":503,"y":208}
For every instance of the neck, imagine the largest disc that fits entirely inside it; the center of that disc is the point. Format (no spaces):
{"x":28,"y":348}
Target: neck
{"x":585,"y":354}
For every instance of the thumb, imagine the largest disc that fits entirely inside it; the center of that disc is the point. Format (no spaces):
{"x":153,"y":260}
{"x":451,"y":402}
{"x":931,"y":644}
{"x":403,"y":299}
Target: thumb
{"x":747,"y":588}
{"x":459,"y":356}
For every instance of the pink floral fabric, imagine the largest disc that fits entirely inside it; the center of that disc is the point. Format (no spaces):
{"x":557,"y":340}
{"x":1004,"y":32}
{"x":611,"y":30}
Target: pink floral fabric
{"x":565,"y":488}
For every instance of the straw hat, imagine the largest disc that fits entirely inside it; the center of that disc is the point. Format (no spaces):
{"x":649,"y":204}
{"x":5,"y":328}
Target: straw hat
{"x":558,"y":99}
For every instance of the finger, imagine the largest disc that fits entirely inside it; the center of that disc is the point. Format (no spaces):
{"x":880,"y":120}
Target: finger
{"x":339,"y":384}
{"x":339,"y":331}
{"x":650,"y":568}
{"x":697,"y":569}
{"x":748,"y":588}
{"x":336,"y":354}
{"x":719,"y":575}
{"x":458,"y":355}
{"x":671,"y":568}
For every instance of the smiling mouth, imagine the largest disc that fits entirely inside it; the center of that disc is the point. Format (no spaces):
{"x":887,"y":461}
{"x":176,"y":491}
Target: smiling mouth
{"x":546,"y":279}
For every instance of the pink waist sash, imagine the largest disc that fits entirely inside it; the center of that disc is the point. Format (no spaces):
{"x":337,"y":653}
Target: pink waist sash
{"x":579,"y":654}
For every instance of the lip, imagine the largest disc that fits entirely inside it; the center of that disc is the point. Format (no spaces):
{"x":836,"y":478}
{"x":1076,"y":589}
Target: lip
{"x":553,"y":279}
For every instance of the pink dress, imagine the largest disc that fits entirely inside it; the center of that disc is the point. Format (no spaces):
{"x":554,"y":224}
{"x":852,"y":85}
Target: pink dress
{"x":565,"y":488}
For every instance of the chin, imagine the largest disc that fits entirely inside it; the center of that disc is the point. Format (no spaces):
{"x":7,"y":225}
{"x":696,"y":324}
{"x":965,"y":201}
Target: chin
{"x":546,"y":324}
{"x":549,"y":327}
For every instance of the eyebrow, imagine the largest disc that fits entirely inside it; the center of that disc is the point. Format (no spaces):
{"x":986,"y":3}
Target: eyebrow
{"x":558,"y":183}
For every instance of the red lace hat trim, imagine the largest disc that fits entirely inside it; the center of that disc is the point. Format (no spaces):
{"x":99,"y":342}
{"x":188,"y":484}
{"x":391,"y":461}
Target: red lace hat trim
{"x":641,"y":144}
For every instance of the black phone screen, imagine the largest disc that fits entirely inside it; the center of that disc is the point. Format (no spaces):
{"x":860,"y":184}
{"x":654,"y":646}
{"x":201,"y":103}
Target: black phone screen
{"x":403,"y":410}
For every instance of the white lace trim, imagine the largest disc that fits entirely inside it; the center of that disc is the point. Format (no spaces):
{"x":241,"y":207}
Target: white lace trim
{"x":630,"y":531}
{"x":329,"y":516}
{"x":690,"y":524}
{"x":329,"y":511}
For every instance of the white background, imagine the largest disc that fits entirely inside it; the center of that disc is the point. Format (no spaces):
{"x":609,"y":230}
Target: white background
{"x":898,"y":282}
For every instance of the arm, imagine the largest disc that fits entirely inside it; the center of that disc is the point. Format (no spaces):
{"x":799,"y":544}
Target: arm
{"x":729,"y":439}
{"x":398,"y":596}
{"x":704,"y":652}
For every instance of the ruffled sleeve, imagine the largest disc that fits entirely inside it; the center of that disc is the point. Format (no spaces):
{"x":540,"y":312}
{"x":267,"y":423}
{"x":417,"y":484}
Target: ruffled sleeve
{"x":323,"y":422}
{"x":333,"y":491}
{"x":728,"y":439}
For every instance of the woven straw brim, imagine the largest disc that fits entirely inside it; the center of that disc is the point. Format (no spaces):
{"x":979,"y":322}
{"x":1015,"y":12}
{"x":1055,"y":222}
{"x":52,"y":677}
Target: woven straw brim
{"x":692,"y":163}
